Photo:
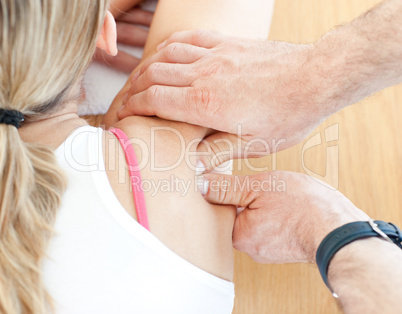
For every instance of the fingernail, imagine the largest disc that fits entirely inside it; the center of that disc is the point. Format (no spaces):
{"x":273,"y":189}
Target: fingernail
{"x":203,"y":185}
{"x":161,"y":45}
{"x":199,"y":168}
{"x":135,"y":76}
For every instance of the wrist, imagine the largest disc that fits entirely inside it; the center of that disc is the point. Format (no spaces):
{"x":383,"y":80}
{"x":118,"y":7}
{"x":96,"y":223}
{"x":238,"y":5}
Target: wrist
{"x":350,"y":233}
{"x":358,"y":250}
{"x":365,"y":269}
{"x":336,"y":214}
{"x":366,"y":275}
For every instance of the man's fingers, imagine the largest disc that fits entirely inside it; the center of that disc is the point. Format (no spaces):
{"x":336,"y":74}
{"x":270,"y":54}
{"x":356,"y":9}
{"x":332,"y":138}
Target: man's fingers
{"x":178,"y":75}
{"x":164,"y":101}
{"x":122,"y":61}
{"x":129,"y":34}
{"x":176,"y":53}
{"x":247,"y":235}
{"x":227,"y":190}
{"x":219,"y":148}
{"x":200,"y":38}
{"x":136,"y":16}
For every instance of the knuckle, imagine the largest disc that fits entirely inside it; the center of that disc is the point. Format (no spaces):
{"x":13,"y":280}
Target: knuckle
{"x":259,"y":251}
{"x":240,"y":242}
{"x":198,"y":35}
{"x":130,"y":102}
{"x":239,"y":236}
{"x":174,"y":37}
{"x":248,"y":195}
{"x":239,"y":46}
{"x":219,"y":153}
{"x":220,"y":65}
{"x":152,"y":72}
{"x":202,"y":98}
{"x":203,"y":102}
{"x":245,"y":238}
{"x":213,"y":68}
{"x":237,"y":242}
{"x":224,"y":63}
{"x":153,"y":94}
{"x":220,"y":187}
{"x":171,"y":50}
{"x":223,"y":194}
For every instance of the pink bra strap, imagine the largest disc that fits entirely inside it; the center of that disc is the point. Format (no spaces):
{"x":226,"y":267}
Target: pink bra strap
{"x":135,"y":177}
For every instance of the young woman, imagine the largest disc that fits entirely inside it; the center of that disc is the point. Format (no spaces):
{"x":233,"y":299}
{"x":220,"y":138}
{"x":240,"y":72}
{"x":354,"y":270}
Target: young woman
{"x":73,"y":237}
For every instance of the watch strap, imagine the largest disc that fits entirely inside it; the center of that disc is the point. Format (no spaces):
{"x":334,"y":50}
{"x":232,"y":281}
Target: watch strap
{"x":348,"y":233}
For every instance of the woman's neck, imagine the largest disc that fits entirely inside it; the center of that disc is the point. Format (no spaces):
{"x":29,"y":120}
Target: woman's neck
{"x":53,"y":130}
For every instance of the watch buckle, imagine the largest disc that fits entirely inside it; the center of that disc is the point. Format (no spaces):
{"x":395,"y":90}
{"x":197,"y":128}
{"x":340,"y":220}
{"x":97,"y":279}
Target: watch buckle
{"x":374,"y":226}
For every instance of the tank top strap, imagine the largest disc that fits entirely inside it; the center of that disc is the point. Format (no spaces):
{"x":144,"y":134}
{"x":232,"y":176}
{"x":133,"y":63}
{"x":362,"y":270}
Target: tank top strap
{"x":135,"y":177}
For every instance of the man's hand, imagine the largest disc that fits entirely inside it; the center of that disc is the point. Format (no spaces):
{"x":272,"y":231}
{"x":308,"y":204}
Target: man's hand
{"x":286,"y":214}
{"x":222,"y":82}
{"x":286,"y":217}
{"x":132,"y":30}
{"x":276,"y":92}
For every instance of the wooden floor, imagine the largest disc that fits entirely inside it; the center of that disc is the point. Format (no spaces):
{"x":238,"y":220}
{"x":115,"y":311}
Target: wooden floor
{"x":364,"y":153}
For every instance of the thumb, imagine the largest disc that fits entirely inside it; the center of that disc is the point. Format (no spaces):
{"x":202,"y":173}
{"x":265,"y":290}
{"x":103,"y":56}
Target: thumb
{"x":218,"y":148}
{"x":221,"y":147}
{"x":227,"y":190}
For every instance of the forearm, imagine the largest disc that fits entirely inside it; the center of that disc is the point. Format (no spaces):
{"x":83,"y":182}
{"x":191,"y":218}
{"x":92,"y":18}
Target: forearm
{"x":359,"y":58}
{"x":367,"y":277}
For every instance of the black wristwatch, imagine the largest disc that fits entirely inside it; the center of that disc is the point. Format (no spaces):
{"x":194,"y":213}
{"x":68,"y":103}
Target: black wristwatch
{"x":348,"y":233}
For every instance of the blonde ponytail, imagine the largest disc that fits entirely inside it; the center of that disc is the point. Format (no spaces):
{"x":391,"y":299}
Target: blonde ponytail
{"x":30,"y":191}
{"x":45,"y":45}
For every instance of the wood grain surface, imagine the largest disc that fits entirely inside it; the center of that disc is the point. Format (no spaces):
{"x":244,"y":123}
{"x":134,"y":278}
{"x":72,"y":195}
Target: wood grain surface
{"x":362,"y":159}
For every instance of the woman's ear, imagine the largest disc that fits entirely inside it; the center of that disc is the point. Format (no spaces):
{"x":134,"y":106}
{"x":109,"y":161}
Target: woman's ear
{"x":107,"y":40}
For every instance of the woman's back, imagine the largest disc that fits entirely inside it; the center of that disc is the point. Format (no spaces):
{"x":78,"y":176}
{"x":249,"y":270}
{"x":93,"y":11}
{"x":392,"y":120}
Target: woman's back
{"x":98,"y":257}
{"x":101,"y":260}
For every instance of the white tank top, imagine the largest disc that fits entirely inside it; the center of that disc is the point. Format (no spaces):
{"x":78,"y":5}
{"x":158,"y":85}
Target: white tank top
{"x":101,"y":260}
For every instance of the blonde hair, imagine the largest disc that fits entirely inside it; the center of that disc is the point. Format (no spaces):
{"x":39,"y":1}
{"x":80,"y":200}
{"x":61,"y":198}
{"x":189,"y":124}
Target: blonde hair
{"x":45,"y":45}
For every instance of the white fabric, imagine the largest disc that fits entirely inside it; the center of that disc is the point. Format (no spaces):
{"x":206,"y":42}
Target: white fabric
{"x":101,"y":260}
